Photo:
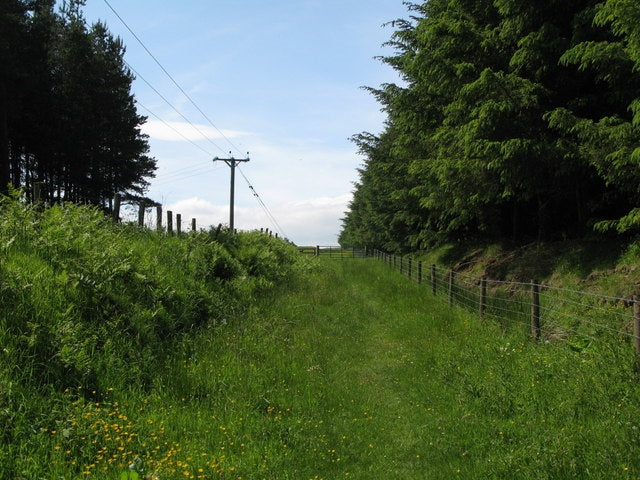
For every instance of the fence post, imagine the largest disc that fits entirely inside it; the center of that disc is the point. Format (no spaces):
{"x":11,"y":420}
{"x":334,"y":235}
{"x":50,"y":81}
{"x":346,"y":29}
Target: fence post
{"x":451,"y":282}
{"x":409,"y":267}
{"x":401,"y":264}
{"x":636,"y":328}
{"x":179,"y":223}
{"x":535,"y":310}
{"x":38,"y":187}
{"x":317,"y":250}
{"x":433,"y":278}
{"x":193,"y":224}
{"x":419,"y":272}
{"x":169,"y":222}
{"x":141,"y":208}
{"x":158,"y":218}
{"x":116,"y":207}
{"x":483,"y":295}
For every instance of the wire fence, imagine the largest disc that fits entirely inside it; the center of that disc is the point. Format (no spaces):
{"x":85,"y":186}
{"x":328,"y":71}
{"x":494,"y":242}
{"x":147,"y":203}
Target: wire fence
{"x":551,"y":314}
{"x":331,"y":251}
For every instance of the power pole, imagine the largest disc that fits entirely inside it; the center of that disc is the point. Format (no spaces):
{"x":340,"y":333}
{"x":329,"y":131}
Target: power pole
{"x":232,"y":162}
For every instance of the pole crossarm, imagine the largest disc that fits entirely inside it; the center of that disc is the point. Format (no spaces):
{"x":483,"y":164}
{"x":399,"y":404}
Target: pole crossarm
{"x":232,"y":163}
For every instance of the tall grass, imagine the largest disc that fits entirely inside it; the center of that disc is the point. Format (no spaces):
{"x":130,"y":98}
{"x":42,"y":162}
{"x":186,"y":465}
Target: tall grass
{"x":346,"y":370}
{"x":89,"y":307}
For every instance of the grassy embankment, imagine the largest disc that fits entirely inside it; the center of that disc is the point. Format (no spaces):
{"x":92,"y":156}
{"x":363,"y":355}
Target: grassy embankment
{"x":598,"y":265}
{"x":351,"y":371}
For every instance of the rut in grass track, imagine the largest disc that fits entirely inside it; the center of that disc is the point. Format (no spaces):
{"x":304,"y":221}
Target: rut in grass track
{"x":359,"y":334}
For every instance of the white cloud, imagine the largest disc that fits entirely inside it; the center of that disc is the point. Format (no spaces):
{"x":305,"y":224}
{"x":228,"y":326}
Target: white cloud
{"x":183,"y":131}
{"x":315,"y":221}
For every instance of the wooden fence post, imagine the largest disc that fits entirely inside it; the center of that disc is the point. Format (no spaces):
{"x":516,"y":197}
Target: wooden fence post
{"x":401,"y":265}
{"x":179,"y":223}
{"x":317,"y":250}
{"x":433,"y":278}
{"x":193,"y":224}
{"x":169,"y":222}
{"x":535,"y":310}
{"x":409,"y":267}
{"x":419,"y":272}
{"x":116,"y":207}
{"x":451,"y":283}
{"x":141,"y":208}
{"x":483,"y":295}
{"x":158,"y":218}
{"x":636,"y":328}
{"x":37,"y":192}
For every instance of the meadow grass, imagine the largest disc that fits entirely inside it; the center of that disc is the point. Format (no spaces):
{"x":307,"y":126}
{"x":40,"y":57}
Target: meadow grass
{"x":357,"y":373}
{"x":234,"y":358}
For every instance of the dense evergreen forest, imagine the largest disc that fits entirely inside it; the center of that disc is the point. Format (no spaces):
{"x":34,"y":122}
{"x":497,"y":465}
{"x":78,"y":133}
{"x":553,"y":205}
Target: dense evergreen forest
{"x":67,"y":115}
{"x":514,"y":119}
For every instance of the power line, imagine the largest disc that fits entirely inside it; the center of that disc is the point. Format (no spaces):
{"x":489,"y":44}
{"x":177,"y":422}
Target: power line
{"x":175,"y":129}
{"x":262,"y":204}
{"x":183,"y":175}
{"x":187,"y":96}
{"x":175,"y":110}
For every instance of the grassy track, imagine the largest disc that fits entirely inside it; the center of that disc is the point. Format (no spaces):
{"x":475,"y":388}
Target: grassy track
{"x":358,"y":373}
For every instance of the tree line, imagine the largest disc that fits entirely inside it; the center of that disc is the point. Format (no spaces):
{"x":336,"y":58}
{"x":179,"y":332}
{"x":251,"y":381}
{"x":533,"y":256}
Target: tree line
{"x":513,"y":119}
{"x":68,"y":118}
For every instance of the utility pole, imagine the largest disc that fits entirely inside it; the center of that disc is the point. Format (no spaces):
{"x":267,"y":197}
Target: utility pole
{"x":232,"y":162}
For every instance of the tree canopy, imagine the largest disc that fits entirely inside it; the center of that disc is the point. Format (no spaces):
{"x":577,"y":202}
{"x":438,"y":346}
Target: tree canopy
{"x":68,"y":118}
{"x":514,"y":119}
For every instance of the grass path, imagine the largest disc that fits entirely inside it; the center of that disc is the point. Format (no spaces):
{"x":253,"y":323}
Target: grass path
{"x":331,"y":380}
{"x":357,"y":373}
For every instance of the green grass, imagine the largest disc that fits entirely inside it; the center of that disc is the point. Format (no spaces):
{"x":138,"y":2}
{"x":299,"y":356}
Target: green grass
{"x":357,"y":373}
{"x":293,"y":368}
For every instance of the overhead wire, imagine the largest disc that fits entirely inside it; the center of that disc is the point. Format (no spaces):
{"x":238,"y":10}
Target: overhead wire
{"x":173,"y":128}
{"x":262,"y":204}
{"x":206,"y":137}
{"x":204,"y":115}
{"x":187,"y":96}
{"x":166,"y":180}
{"x":186,"y":172}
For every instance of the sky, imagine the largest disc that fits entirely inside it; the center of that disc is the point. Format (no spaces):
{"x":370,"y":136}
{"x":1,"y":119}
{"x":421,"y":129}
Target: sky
{"x":280,"y":80}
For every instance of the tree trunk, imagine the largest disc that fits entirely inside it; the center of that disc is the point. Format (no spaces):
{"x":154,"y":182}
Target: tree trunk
{"x":4,"y":140}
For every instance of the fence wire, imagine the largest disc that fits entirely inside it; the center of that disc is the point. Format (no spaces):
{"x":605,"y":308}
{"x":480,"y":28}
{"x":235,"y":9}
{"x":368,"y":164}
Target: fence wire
{"x":554,"y":315}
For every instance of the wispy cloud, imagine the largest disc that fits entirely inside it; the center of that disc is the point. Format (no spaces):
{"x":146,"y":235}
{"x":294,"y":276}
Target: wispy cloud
{"x":183,"y":131}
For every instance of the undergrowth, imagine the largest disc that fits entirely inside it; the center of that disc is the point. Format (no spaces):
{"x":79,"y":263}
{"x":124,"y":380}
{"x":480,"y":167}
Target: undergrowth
{"x":132,"y":355}
{"x":88,"y":307}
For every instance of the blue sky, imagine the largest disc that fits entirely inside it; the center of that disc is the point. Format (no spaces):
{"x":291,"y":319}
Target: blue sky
{"x":280,"y":79}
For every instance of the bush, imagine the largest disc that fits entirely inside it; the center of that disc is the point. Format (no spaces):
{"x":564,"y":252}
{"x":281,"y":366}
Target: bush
{"x":86,"y":303}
